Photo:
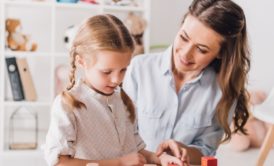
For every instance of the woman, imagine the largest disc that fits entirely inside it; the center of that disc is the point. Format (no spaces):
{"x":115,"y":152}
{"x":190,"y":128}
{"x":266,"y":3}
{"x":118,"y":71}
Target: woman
{"x":190,"y":93}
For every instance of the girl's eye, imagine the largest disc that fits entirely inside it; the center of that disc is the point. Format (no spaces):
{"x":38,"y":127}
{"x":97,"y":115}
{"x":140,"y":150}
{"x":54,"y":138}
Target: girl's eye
{"x":183,"y":38}
{"x":123,"y":70}
{"x":106,"y":72}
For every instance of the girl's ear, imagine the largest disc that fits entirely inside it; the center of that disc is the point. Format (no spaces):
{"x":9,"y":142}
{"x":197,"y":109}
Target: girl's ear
{"x":79,"y":61}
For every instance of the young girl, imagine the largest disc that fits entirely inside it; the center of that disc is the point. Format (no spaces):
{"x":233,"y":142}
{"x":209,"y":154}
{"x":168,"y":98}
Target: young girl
{"x":94,"y":119}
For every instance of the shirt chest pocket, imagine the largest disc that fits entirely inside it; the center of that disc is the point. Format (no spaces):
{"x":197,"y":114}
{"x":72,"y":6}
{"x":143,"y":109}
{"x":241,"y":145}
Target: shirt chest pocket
{"x":149,"y":123}
{"x":154,"y":112}
{"x":196,"y":122}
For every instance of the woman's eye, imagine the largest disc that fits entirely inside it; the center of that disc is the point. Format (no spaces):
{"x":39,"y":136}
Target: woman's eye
{"x":183,"y":38}
{"x":203,"y":51}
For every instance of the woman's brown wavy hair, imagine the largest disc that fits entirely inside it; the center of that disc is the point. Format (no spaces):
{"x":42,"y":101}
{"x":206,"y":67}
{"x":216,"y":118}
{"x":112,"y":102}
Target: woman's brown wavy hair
{"x":100,"y":32}
{"x":228,"y":19}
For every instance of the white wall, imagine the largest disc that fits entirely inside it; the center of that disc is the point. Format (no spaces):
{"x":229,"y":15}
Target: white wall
{"x":167,"y":15}
{"x":260,"y":24}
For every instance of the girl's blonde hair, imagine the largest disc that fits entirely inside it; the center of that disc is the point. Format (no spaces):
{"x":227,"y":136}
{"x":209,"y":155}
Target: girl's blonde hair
{"x":100,"y":32}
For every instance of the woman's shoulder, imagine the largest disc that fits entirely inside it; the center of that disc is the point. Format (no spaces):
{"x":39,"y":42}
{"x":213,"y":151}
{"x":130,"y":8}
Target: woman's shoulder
{"x":210,"y":80}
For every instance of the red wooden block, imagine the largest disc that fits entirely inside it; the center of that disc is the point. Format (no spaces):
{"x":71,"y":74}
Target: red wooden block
{"x":209,"y":161}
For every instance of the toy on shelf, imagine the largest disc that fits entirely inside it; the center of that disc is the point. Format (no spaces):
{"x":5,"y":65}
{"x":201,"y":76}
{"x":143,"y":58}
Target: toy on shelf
{"x":16,"y":40}
{"x":69,"y":35}
{"x":122,"y":3}
{"x":208,"y":161}
{"x":90,"y":1}
{"x":136,"y":26}
{"x":23,"y":129}
{"x":67,"y":1}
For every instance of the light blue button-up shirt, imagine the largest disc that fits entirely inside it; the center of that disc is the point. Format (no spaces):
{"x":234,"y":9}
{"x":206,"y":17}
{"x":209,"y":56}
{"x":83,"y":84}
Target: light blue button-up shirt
{"x":187,"y":117}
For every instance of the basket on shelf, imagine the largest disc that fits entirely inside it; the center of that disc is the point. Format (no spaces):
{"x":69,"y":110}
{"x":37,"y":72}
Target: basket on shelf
{"x":23,"y":129}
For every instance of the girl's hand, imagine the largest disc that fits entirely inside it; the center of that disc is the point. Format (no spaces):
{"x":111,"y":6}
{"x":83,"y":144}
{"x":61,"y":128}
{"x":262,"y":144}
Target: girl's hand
{"x":167,"y":159}
{"x":175,"y":149}
{"x":133,"y":159}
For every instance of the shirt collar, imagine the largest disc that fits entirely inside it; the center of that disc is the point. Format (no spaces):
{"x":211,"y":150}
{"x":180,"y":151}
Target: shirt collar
{"x":88,"y":92}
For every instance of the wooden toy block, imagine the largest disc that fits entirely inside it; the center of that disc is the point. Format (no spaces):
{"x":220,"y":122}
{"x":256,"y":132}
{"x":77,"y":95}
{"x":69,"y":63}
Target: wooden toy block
{"x":209,"y":161}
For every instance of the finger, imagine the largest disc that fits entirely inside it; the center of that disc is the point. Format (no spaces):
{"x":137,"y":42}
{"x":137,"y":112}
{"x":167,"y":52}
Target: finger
{"x":163,"y":147}
{"x":175,"y":149}
{"x":186,"y":164}
{"x":159,"y":150}
{"x":184,"y":155}
{"x":142,"y":159}
{"x":169,"y":145}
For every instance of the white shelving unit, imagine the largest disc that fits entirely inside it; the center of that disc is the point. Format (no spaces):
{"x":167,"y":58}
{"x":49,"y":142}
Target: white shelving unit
{"x":46,"y":22}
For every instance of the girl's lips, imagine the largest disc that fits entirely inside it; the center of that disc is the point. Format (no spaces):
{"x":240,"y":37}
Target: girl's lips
{"x":111,"y":87}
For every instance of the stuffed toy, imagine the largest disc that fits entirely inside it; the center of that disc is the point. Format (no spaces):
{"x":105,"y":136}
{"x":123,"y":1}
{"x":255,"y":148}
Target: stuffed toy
{"x":69,"y":35}
{"x":16,"y":40}
{"x":255,"y":128}
{"x":122,"y":2}
{"x":67,"y":1}
{"x":136,"y":26}
{"x":90,"y":1}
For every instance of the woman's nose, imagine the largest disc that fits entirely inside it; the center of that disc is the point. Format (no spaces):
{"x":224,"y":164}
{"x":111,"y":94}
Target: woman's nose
{"x":186,"y":51}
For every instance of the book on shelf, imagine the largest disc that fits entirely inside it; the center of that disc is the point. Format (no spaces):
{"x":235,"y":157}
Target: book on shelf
{"x":26,"y":79}
{"x":15,"y":80}
{"x":20,"y":79}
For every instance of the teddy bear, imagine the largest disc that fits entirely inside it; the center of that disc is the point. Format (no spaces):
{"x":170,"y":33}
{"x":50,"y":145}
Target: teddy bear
{"x":136,"y":26}
{"x":16,"y":40}
{"x":255,"y":128}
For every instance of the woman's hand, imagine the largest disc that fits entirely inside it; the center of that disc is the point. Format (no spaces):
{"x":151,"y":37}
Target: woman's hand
{"x":171,"y":146}
{"x":133,"y":159}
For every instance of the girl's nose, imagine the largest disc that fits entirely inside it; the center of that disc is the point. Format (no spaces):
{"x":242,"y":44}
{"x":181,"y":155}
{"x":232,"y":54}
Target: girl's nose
{"x":116,"y":80}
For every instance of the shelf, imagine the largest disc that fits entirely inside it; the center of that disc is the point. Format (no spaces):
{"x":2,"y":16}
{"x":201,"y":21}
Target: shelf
{"x":123,"y":8}
{"x":10,"y":153}
{"x":28,"y":3}
{"x":77,"y":5}
{"x":31,"y":152}
{"x":27,"y":103}
{"x":26,"y":54}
